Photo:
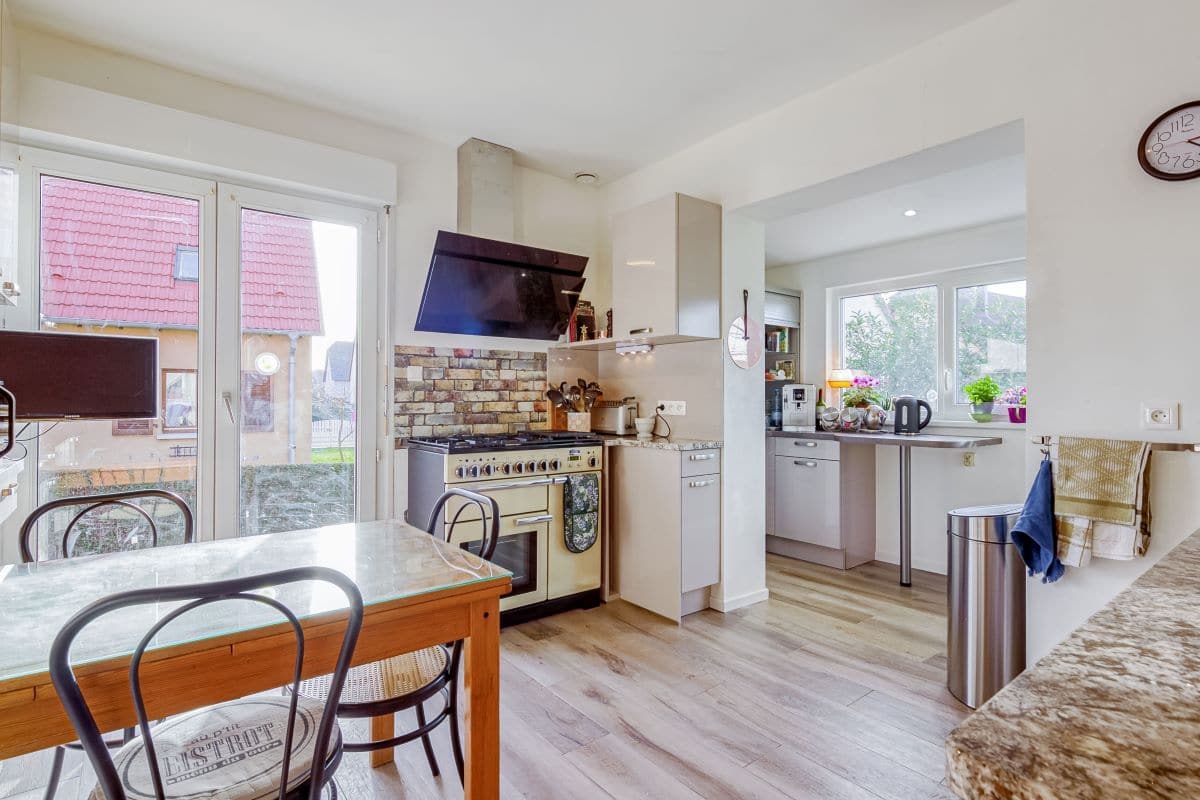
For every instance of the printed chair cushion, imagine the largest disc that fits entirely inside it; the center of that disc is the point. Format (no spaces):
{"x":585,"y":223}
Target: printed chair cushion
{"x":389,"y":679}
{"x":232,"y":751}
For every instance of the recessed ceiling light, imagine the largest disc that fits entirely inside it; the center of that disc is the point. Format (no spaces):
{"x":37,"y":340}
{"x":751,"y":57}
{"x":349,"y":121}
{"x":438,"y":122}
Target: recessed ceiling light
{"x":585,"y":177}
{"x":912,"y":212}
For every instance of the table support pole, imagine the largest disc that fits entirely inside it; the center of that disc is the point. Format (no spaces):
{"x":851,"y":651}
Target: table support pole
{"x":905,"y":515}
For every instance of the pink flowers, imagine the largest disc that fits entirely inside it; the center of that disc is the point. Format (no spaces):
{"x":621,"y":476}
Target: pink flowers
{"x":1014,"y":396}
{"x":864,"y":382}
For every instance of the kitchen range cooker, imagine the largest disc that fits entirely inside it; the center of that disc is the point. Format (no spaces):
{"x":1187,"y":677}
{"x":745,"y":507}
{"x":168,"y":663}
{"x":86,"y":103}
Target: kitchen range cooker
{"x":527,"y":475}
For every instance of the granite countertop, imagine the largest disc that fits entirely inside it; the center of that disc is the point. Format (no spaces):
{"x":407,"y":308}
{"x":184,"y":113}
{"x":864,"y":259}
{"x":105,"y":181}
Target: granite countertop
{"x":883,"y":437}
{"x":661,"y":443}
{"x":1112,"y":712}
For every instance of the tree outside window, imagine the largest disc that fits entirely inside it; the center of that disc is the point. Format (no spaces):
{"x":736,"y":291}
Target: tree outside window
{"x":893,"y":337}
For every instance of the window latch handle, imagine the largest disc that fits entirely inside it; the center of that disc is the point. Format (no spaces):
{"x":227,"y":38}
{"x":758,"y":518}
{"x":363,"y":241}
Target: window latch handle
{"x":228,"y":398}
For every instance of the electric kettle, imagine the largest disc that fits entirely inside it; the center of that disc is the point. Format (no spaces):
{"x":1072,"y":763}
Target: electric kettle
{"x":909,"y":420}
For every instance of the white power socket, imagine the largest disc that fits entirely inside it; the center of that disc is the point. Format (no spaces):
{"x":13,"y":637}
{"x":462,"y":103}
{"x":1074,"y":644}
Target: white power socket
{"x":673,"y":408}
{"x":1160,"y":416}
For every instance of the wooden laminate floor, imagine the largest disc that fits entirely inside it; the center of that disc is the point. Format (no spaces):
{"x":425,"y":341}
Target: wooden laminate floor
{"x":834,"y":688}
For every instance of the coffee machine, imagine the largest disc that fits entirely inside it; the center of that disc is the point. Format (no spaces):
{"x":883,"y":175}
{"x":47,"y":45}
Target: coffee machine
{"x":799,"y":406}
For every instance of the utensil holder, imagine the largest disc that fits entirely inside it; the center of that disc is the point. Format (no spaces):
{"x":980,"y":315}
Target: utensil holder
{"x":579,"y":421}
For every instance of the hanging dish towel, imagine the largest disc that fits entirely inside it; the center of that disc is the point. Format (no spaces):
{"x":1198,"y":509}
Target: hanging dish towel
{"x":581,"y":512}
{"x":1033,"y":535}
{"x":1103,"y":499}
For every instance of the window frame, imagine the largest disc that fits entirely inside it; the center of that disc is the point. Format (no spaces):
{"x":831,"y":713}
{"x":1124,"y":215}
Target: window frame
{"x":178,"y":430}
{"x":251,"y":380}
{"x":177,"y":272}
{"x":947,"y":283}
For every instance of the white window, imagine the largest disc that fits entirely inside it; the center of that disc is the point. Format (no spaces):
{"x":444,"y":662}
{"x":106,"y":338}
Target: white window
{"x":930,"y":336}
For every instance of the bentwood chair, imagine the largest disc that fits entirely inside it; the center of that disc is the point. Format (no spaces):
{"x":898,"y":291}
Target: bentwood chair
{"x":143,"y":532}
{"x":381,"y":689}
{"x":265,"y":746}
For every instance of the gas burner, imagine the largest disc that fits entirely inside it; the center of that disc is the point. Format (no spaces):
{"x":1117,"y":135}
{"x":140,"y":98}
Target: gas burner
{"x":528,"y":440}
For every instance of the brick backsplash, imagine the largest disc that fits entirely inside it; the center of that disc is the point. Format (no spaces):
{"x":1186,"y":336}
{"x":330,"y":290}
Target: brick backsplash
{"x":468,"y":391}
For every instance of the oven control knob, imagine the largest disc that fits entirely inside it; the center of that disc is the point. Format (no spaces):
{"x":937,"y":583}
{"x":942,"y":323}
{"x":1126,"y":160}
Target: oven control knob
{"x":542,"y":465}
{"x":487,"y":469}
{"x":474,"y":471}
{"x":505,"y":468}
{"x":591,"y":461}
{"x":555,"y":464}
{"x":531,"y":466}
{"x":518,"y":467}
{"x":461,"y":472}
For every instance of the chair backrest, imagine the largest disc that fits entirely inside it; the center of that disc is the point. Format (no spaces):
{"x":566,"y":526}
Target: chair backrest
{"x":93,"y":502}
{"x":488,"y":508}
{"x":192,"y":597}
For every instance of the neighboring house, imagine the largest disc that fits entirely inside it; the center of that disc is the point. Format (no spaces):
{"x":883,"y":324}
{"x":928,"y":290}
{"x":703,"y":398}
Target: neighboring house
{"x":126,"y":262}
{"x":339,"y":378}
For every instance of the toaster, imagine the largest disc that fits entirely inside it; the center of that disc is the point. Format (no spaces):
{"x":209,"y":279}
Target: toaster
{"x":613,"y":416}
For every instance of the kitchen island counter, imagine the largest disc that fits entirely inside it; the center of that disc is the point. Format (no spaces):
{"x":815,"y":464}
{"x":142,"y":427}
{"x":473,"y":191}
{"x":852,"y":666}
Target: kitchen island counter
{"x":1113,"y":711}
{"x":661,"y":443}
{"x":885,"y":438}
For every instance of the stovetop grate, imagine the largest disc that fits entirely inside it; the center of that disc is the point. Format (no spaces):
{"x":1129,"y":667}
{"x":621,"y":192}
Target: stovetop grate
{"x":529,"y":440}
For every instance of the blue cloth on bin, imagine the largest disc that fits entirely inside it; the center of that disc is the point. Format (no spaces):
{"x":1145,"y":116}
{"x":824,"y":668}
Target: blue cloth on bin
{"x":1034,"y":534}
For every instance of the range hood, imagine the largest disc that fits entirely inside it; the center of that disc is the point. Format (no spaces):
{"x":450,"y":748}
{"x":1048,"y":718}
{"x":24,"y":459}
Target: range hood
{"x":484,"y":287}
{"x":489,"y":286}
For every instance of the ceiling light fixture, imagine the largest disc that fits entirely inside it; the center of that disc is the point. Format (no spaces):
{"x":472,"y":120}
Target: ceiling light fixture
{"x":586,"y":178}
{"x":912,"y":212}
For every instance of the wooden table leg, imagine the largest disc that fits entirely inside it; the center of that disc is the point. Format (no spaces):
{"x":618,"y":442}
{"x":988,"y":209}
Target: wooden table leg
{"x":483,"y":702}
{"x":383,"y":727}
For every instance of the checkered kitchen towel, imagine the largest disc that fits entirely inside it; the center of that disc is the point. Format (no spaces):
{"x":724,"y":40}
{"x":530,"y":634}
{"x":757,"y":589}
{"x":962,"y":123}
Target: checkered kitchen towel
{"x":1102,"y":499}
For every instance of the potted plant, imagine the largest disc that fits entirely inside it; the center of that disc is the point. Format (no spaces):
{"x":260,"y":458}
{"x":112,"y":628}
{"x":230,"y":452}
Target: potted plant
{"x":982,"y":394}
{"x":1015,"y":399}
{"x":863,"y":393}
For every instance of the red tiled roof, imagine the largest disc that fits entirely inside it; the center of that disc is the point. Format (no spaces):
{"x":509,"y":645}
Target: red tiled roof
{"x":108,"y":254}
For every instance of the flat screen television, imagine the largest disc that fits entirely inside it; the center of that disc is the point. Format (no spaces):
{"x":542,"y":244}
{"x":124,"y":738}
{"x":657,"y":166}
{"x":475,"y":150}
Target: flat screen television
{"x":80,"y":376}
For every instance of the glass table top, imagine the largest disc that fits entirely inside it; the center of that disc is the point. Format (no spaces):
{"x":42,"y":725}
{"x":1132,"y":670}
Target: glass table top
{"x":387,"y":560}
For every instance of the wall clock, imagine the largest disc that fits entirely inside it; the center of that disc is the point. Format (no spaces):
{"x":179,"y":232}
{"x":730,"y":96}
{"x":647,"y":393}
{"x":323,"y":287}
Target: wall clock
{"x":1170,"y":147}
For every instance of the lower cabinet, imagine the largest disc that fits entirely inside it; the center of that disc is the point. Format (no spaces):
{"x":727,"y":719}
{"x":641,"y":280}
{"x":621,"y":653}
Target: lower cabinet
{"x":665,"y":527}
{"x":822,"y":501}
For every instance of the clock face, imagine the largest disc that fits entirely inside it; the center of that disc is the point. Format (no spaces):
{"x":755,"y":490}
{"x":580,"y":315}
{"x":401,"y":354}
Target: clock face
{"x":1170,"y":148}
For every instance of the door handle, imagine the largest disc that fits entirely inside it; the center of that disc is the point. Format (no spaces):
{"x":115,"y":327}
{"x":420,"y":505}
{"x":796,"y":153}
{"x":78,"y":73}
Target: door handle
{"x":699,"y":484}
{"x":805,"y":463}
{"x":704,"y":457}
{"x":799,"y":443}
{"x":228,"y":398}
{"x":640,"y":331}
{"x":534,"y":520}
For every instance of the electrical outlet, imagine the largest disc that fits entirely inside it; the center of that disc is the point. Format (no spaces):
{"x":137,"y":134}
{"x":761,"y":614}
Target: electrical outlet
{"x":673,"y":408}
{"x":968,"y":459}
{"x":1160,"y":416}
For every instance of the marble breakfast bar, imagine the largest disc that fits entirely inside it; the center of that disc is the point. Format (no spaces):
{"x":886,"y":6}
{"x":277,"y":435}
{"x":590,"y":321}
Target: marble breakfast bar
{"x":1111,"y":712}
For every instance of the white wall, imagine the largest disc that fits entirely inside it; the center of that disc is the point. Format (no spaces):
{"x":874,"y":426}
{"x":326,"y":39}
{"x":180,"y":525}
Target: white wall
{"x":940,"y":481}
{"x":1110,"y":251}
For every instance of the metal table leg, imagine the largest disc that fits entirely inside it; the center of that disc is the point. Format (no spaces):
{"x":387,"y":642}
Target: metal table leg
{"x":905,"y":515}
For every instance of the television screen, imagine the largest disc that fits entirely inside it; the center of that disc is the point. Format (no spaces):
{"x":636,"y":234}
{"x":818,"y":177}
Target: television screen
{"x":71,"y":375}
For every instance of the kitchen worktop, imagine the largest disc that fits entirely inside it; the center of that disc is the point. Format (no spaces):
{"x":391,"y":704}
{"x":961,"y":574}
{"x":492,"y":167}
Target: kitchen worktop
{"x":883,"y":437}
{"x":1113,"y":711}
{"x":661,"y":443}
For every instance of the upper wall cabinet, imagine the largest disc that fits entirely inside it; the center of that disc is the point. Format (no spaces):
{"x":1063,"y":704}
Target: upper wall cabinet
{"x":666,"y":278}
{"x":781,"y":309}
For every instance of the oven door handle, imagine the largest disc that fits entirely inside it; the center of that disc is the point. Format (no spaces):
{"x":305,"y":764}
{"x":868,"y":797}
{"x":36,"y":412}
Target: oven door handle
{"x":493,"y":487}
{"x":535,"y":519}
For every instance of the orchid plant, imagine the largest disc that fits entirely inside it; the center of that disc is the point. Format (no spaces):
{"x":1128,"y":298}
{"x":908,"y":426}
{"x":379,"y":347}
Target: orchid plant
{"x":863,"y":391}
{"x":1013,"y":396}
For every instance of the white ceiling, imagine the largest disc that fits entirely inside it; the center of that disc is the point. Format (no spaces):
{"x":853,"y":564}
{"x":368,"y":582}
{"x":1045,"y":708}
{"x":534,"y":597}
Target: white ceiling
{"x":572,"y":85}
{"x":974,"y":195}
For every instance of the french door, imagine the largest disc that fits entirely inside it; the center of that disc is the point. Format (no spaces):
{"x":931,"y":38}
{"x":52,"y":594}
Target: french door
{"x":266,"y":308}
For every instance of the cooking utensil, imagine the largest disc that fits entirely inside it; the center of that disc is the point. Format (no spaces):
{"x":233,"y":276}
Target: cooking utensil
{"x":576,"y":397}
{"x":744,"y":341}
{"x":589,"y":397}
{"x":555,"y":397}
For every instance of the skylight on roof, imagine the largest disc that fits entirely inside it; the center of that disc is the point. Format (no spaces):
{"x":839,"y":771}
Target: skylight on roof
{"x":187,"y":263}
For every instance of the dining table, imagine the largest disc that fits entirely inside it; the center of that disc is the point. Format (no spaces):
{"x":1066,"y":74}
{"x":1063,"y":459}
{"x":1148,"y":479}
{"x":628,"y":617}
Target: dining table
{"x":417,"y":591}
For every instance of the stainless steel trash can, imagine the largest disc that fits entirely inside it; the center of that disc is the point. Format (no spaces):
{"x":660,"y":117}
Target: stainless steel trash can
{"x":985,"y":636}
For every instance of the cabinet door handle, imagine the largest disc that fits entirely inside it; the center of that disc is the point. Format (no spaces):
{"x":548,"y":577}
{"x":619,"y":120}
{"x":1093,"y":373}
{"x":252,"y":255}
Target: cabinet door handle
{"x":799,"y":443}
{"x":700,"y":484}
{"x":805,"y":463}
{"x":703,"y":457}
{"x":640,"y":331}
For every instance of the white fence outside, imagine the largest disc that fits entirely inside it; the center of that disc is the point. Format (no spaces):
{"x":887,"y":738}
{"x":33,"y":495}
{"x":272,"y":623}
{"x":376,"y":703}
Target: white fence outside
{"x":332,"y":433}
